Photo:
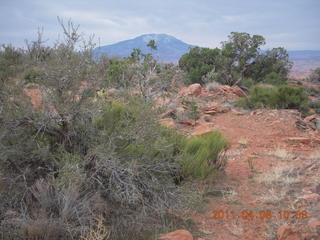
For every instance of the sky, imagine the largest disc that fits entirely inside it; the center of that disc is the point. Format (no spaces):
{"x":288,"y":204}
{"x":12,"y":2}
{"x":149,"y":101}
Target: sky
{"x":293,"y":24}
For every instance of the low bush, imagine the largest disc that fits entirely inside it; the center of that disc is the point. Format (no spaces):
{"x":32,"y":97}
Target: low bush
{"x":313,"y":91}
{"x":201,"y":154}
{"x":112,"y":113}
{"x":315,"y":105}
{"x":284,"y":96}
{"x":292,"y":98}
{"x":260,"y":97}
{"x":274,"y":78}
{"x":247,"y":82}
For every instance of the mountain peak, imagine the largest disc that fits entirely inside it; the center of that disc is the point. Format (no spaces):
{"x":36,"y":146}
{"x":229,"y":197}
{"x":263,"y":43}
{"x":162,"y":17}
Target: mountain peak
{"x":157,"y":37}
{"x":170,"y":49}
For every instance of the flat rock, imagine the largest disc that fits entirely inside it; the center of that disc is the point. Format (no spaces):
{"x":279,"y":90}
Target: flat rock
{"x":288,"y":233}
{"x":177,"y":235}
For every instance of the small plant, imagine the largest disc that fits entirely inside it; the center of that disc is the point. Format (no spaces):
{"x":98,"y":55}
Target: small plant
{"x":192,"y":109}
{"x":201,"y":154}
{"x":243,"y":142}
{"x":315,"y":155}
{"x":213,"y":86}
{"x":315,"y":105}
{"x":250,"y":164}
{"x":273,"y":196}
{"x":281,"y":176}
{"x":235,"y":229}
{"x":33,"y":76}
{"x":313,"y":91}
{"x":282,"y":154}
{"x":98,"y":231}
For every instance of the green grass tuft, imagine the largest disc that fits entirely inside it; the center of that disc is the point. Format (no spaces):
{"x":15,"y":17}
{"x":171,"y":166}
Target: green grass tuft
{"x":201,"y":154}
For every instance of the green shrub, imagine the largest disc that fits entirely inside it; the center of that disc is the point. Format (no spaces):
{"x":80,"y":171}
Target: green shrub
{"x":274,"y":78}
{"x":292,"y":98}
{"x":247,"y":82}
{"x":33,"y":76}
{"x":260,"y":97}
{"x":201,"y":154}
{"x":112,"y":113}
{"x":284,"y":96}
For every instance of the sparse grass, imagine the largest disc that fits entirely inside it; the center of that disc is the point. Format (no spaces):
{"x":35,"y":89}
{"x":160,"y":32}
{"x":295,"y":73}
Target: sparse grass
{"x":282,"y":154}
{"x":251,"y":164}
{"x":314,"y":155}
{"x":278,"y":180}
{"x":279,"y":176}
{"x":270,"y":235}
{"x":235,"y":203}
{"x":98,"y":231}
{"x":230,"y":195}
{"x":213,"y":86}
{"x":243,"y":142}
{"x":273,"y":196}
{"x":235,"y":229}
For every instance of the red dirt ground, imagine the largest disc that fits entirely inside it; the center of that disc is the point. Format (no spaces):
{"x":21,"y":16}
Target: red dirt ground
{"x":253,"y":136}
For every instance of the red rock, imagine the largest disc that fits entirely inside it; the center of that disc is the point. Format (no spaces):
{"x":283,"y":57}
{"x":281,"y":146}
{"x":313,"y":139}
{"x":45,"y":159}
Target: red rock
{"x":177,"y":235}
{"x":314,"y":224}
{"x":233,"y":90}
{"x":237,"y":112}
{"x":211,"y":112}
{"x":311,"y":117}
{"x":307,"y":190}
{"x":192,"y":90}
{"x":302,"y":140}
{"x":35,"y":95}
{"x":202,"y":129}
{"x":168,"y":122}
{"x":188,"y":121}
{"x":284,"y":231}
{"x":238,"y":91}
{"x":223,"y":109}
{"x":311,"y":197}
{"x":214,"y":108}
{"x":256,"y":112}
{"x":288,"y":233}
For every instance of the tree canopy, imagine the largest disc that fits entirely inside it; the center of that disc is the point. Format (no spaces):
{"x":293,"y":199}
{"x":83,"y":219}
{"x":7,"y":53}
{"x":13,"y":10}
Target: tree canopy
{"x":240,"y":57}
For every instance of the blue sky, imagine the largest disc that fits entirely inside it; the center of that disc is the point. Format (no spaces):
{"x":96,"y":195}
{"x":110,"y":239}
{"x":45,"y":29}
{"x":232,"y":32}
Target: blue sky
{"x":293,"y":24}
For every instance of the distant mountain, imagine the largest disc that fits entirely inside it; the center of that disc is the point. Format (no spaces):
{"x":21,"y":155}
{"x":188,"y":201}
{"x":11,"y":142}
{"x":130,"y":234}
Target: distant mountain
{"x":170,"y":49}
{"x":304,"y":55}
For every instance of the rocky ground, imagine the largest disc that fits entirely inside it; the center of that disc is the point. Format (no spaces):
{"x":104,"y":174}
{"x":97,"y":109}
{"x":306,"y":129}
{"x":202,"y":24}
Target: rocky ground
{"x":270,"y":188}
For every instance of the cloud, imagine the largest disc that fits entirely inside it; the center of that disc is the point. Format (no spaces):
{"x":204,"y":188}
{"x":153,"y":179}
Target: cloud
{"x":291,"y":23}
